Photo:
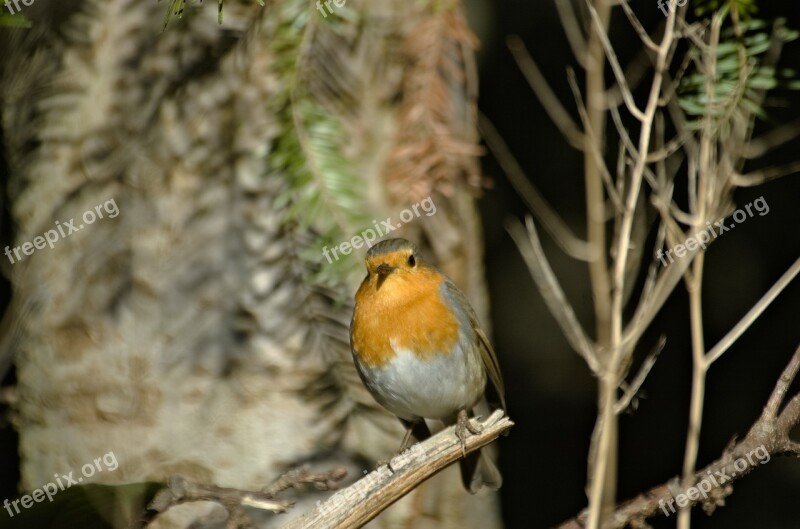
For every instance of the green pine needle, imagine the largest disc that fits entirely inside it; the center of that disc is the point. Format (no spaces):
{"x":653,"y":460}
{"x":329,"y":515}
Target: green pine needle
{"x":176,"y":8}
{"x":729,"y":100}
{"x":14,"y":21}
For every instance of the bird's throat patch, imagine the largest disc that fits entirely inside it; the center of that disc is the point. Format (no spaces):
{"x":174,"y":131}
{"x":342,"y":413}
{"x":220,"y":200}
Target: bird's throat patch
{"x":406,"y":312}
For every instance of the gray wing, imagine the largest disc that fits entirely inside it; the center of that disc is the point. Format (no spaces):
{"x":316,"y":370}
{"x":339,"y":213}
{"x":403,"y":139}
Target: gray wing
{"x":451,"y":292}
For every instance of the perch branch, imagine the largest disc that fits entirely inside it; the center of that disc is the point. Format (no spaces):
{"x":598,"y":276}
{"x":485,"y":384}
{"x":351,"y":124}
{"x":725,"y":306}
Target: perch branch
{"x":364,"y":500}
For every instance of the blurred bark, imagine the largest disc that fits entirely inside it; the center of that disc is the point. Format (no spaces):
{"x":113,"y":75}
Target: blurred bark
{"x":188,"y":334}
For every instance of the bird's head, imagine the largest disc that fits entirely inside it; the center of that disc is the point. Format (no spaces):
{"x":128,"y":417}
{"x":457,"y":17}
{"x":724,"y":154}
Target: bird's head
{"x":392,"y":256}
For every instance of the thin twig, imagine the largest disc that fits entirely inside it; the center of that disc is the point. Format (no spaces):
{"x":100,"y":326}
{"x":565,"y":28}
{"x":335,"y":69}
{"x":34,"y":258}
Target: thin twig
{"x":644,"y":370}
{"x":531,"y":250}
{"x":648,"y":308}
{"x":180,"y":490}
{"x":538,"y":83}
{"x":772,"y":139}
{"x":778,"y":394}
{"x":761,"y":176}
{"x":627,"y":97}
{"x":637,"y":25}
{"x":539,"y":206}
{"x":593,"y":143}
{"x":303,"y":476}
{"x":572,"y":30}
{"x":753,"y":314}
{"x":626,"y":141}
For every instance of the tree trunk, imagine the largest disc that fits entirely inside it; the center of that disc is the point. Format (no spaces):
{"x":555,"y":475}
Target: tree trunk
{"x":193,"y":325}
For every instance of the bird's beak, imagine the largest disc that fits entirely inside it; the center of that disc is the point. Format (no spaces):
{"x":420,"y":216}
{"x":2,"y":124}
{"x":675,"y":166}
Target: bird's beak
{"x":385,"y":269}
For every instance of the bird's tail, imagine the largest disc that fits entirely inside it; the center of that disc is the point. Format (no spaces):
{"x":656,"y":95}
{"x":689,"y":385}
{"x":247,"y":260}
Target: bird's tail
{"x":478,"y":471}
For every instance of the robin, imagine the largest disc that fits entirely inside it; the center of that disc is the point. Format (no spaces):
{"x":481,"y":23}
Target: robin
{"x":420,"y":350}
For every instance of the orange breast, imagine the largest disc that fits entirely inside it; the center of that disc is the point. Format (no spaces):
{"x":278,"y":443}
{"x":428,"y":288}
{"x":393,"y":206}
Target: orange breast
{"x":406,"y":311}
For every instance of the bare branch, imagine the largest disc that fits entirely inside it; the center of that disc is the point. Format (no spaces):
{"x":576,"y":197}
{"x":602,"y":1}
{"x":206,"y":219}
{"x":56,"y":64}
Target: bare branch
{"x":788,"y":419}
{"x":615,"y":67}
{"x":753,"y":314}
{"x":649,"y":307}
{"x":573,"y":30}
{"x":179,"y":490}
{"x":541,"y":88}
{"x":531,"y":250}
{"x":765,"y":175}
{"x":781,"y":388}
{"x":593,"y":144}
{"x":550,"y":219}
{"x":303,"y":476}
{"x":767,"y":437}
{"x":634,"y":386}
{"x":626,"y":141}
{"x":637,"y":25}
{"x":772,"y":139}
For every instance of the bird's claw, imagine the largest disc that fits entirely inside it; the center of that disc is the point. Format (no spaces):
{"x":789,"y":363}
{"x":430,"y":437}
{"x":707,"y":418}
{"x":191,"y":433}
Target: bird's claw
{"x":463,"y":425}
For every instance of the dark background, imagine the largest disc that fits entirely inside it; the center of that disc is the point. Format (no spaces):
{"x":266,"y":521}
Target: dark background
{"x":551,"y":393}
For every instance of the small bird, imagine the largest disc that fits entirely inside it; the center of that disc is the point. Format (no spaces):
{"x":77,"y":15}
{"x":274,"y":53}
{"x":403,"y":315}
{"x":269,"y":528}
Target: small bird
{"x":420,"y":350}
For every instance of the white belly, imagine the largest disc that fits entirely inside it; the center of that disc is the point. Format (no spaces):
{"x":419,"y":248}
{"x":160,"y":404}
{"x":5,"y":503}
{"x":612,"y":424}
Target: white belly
{"x":433,"y":389}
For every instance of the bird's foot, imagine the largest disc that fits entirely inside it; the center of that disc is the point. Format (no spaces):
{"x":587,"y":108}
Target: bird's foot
{"x":463,"y":425}
{"x":407,"y":440}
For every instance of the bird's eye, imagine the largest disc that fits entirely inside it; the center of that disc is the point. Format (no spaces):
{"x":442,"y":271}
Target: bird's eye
{"x":411,"y":260}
